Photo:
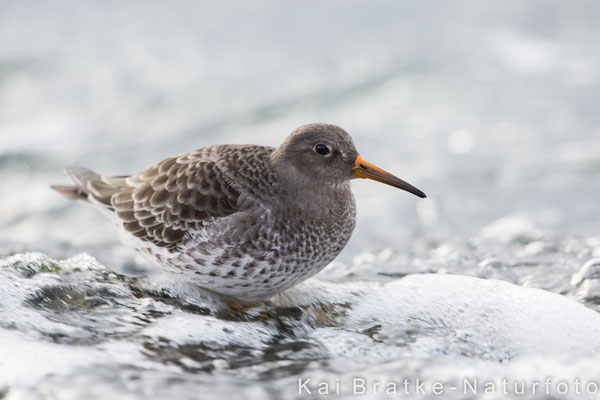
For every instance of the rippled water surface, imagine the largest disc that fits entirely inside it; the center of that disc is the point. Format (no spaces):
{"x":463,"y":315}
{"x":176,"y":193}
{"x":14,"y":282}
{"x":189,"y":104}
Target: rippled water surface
{"x":489,"y":108}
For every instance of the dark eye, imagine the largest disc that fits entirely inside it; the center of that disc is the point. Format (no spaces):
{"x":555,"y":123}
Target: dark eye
{"x":322,"y":149}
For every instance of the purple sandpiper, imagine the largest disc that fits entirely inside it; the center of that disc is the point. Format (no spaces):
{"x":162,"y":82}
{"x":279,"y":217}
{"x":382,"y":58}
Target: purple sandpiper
{"x":245,"y":221}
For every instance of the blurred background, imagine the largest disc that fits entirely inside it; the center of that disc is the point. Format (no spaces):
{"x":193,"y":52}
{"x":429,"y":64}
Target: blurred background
{"x":489,"y":107}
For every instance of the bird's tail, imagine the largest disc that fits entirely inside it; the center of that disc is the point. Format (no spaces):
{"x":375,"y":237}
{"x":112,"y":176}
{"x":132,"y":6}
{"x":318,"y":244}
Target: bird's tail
{"x":81,"y":177}
{"x":91,"y":186}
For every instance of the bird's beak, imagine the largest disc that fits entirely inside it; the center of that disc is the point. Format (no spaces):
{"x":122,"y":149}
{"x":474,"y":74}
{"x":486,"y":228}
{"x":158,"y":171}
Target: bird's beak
{"x":364,"y":169}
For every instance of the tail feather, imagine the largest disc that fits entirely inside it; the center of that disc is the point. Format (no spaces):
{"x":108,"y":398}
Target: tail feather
{"x":70,"y":192}
{"x":90,"y":186}
{"x":82,"y":176}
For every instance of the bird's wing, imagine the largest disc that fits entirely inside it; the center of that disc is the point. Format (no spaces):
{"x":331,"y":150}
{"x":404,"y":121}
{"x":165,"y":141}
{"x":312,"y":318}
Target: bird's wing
{"x":169,"y":200}
{"x":173,"y":199}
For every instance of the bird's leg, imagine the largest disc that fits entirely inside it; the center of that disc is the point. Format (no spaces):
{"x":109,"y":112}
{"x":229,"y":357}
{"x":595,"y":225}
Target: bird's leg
{"x":237,"y":307}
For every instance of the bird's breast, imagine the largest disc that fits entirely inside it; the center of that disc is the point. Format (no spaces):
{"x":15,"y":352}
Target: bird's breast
{"x":317,"y":229}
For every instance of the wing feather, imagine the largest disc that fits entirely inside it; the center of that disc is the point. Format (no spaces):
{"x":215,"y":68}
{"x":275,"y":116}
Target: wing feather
{"x":179,"y":196}
{"x":169,"y":200}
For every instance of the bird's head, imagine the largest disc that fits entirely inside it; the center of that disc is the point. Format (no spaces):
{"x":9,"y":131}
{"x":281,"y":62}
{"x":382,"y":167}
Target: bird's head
{"x":324,"y":154}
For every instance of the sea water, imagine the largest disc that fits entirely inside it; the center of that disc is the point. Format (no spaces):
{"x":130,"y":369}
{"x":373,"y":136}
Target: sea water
{"x":491,"y":283}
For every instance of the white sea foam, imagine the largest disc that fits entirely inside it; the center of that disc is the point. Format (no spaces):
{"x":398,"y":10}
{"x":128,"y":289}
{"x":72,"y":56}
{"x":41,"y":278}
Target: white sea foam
{"x":486,"y":317}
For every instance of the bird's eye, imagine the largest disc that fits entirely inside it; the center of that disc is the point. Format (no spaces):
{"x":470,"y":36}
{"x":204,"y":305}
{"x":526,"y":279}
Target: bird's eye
{"x":322,"y":149}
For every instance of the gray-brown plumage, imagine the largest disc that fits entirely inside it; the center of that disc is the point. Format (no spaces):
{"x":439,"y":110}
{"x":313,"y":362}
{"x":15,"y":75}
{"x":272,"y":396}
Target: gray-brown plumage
{"x":245,"y":221}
